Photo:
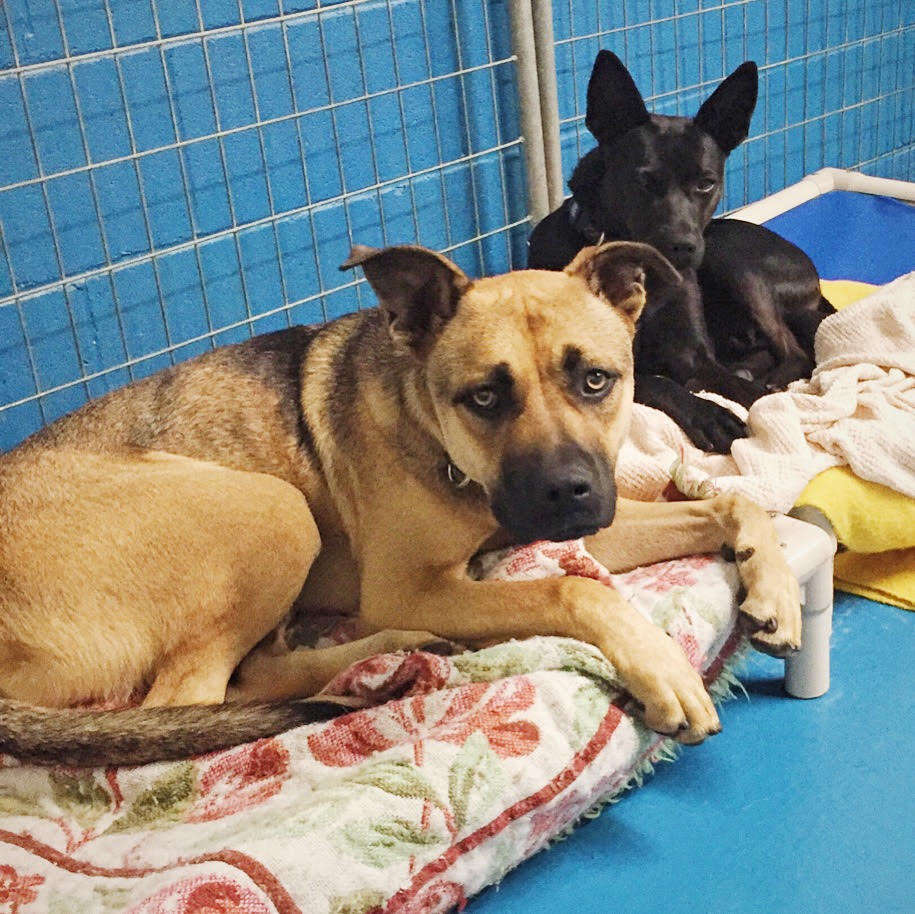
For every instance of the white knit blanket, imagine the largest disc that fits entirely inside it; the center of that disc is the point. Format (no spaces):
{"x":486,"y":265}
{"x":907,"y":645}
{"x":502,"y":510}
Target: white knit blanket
{"x":858,"y":409}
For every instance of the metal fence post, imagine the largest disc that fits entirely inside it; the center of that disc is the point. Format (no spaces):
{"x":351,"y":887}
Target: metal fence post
{"x":549,"y":99}
{"x":524,"y":48}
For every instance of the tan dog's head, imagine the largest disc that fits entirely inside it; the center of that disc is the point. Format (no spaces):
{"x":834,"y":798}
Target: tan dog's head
{"x":530,"y":374}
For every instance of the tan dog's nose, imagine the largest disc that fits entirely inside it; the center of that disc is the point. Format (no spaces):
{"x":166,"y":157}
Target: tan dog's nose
{"x":556,"y":495}
{"x":569,"y":490}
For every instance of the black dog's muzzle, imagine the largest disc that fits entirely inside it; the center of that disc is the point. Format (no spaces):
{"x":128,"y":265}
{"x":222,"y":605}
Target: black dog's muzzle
{"x":684,"y":251}
{"x":559,"y":495}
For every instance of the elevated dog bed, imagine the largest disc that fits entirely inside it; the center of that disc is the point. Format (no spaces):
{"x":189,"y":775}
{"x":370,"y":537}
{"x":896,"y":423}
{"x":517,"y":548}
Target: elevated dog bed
{"x":860,"y":232}
{"x":850,"y":232}
{"x":852,"y":226}
{"x":470,"y":765}
{"x":467,"y":766}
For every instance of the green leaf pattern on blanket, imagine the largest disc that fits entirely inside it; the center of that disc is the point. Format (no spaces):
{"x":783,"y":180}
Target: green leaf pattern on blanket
{"x":81,"y":796}
{"x":515,"y":658}
{"x":13,"y":804}
{"x":357,"y":903}
{"x":665,"y":611}
{"x":496,"y":662}
{"x":385,"y":841}
{"x":104,"y":898}
{"x":590,"y":702}
{"x":716,"y":613}
{"x":399,"y":778}
{"x":164,"y":802}
{"x":577,"y":657}
{"x":475,"y":779}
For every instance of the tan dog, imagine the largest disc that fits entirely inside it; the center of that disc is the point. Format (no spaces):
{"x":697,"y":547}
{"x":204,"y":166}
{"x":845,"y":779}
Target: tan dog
{"x":157,"y":536}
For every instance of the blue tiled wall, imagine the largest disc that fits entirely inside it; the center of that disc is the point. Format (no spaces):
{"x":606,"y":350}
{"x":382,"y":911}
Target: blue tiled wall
{"x":179,"y":173}
{"x":837,"y":78}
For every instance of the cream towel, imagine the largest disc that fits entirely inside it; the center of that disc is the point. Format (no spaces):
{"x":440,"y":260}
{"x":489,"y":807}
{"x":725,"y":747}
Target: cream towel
{"x":858,"y":409}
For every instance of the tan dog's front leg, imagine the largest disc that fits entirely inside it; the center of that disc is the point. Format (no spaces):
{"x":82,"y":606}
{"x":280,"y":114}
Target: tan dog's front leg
{"x":265,"y":675}
{"x":651,"y":665}
{"x":646,"y":532}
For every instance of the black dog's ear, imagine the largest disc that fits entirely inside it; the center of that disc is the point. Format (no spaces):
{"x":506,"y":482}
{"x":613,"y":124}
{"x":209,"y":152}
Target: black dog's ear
{"x":625,"y":273}
{"x":614,"y":102}
{"x":725,"y":114}
{"x":417,"y":289}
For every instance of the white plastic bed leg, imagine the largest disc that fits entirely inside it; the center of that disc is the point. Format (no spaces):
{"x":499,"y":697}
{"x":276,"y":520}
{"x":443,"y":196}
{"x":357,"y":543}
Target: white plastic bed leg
{"x":807,"y":671}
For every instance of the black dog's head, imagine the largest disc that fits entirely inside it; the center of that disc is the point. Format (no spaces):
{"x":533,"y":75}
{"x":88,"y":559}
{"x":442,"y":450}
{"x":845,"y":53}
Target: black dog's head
{"x":654,"y":178}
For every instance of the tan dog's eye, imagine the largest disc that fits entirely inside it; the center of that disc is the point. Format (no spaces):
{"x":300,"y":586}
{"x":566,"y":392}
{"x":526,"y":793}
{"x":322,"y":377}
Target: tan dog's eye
{"x":492,"y":397}
{"x":484,"y":398}
{"x":597,"y":383}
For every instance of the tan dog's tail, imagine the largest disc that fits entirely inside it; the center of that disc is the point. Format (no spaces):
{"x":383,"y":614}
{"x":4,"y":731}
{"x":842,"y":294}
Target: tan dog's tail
{"x":136,"y":736}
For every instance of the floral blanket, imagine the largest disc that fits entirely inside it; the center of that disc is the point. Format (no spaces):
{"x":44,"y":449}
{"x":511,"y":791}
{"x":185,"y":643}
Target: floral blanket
{"x":468,"y":765}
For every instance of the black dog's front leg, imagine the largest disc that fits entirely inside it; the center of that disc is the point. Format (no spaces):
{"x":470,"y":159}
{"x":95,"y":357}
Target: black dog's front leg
{"x":708,"y":425}
{"x":686,"y":353}
{"x":708,"y":374}
{"x":674,"y":354}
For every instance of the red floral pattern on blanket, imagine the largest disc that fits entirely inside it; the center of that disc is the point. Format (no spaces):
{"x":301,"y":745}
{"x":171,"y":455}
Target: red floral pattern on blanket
{"x":437,"y":896}
{"x":533,"y":561}
{"x":466,"y":765}
{"x":203,"y":895}
{"x":480,"y":707}
{"x":239,"y":779}
{"x":554,"y":818}
{"x":17,"y":890}
{"x":664,"y":576}
{"x":386,"y":675}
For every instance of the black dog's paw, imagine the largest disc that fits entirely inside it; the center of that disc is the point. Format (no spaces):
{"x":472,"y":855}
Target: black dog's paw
{"x":745,"y":391}
{"x":711,"y":427}
{"x":782,"y":375}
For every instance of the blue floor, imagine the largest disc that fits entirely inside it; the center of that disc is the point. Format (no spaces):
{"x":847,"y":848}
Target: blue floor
{"x":800,"y":806}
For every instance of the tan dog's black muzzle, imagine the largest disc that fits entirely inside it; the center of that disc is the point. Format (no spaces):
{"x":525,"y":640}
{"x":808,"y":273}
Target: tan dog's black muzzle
{"x":558,"y":495}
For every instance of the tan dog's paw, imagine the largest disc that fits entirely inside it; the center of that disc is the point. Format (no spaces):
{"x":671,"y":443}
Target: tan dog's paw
{"x":771,"y":611}
{"x":671,"y":693}
{"x":786,"y":636}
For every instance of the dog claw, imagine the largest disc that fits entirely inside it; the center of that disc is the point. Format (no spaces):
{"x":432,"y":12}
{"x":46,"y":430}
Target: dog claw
{"x":780,"y":650}
{"x":752,"y":624}
{"x":443,"y":647}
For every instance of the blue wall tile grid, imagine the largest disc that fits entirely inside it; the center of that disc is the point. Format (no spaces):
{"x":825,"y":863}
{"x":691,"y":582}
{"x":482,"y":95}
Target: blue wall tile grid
{"x":179,"y":174}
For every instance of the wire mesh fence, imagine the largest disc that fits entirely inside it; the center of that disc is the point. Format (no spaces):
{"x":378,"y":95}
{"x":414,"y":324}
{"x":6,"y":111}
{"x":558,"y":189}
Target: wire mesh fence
{"x":837,"y":78}
{"x":180,"y":173}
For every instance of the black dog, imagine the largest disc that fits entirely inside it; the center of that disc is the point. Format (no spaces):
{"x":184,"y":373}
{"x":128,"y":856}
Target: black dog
{"x":743,"y":321}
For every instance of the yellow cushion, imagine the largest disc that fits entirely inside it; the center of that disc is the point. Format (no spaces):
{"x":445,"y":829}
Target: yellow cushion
{"x":865,"y":516}
{"x":876,"y":524}
{"x":842,"y":292}
{"x":888,"y":577}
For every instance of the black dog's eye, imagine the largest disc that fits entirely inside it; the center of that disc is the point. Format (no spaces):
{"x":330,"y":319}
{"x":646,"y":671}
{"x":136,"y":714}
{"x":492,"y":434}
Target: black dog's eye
{"x":705,"y":186}
{"x":597,"y":383}
{"x":484,"y":399}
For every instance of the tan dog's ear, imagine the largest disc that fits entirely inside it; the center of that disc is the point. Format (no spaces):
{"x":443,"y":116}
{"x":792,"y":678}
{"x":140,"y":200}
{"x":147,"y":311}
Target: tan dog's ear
{"x":625,"y":273}
{"x":418,"y":289}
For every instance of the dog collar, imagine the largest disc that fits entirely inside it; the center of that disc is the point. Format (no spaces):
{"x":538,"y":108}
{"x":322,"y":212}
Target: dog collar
{"x":456,"y":476}
{"x":579,"y":220}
